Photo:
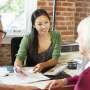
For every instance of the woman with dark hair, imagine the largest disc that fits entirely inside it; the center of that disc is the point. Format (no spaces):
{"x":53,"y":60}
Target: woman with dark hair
{"x":41,"y":48}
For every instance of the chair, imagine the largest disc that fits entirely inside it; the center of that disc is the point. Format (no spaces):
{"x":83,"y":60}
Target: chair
{"x":14,"y":47}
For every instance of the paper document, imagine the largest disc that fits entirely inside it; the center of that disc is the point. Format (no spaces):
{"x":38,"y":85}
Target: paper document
{"x":41,"y":85}
{"x":55,"y":70}
{"x":20,"y":79}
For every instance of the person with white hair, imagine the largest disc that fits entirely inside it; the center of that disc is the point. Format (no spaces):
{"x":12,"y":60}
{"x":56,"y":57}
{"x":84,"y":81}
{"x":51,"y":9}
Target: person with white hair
{"x":2,"y":33}
{"x":82,"y":81}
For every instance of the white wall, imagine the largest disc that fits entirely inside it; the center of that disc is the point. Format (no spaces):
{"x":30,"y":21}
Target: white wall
{"x":30,"y":6}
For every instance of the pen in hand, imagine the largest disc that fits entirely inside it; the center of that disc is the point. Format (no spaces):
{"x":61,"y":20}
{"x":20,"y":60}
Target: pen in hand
{"x":19,"y":70}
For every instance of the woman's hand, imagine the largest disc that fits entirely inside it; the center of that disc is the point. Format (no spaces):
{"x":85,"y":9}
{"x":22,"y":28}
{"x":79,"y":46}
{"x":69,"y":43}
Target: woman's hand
{"x":19,"y":70}
{"x":39,"y":67}
{"x":55,"y":83}
{"x":18,"y":67}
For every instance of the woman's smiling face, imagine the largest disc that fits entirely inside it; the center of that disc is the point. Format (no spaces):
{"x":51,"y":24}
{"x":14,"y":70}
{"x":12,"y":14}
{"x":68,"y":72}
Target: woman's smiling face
{"x":42,"y":24}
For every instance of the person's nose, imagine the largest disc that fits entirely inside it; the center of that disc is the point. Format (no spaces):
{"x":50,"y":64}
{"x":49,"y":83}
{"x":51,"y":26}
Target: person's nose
{"x":43,"y":26}
{"x":77,"y":40}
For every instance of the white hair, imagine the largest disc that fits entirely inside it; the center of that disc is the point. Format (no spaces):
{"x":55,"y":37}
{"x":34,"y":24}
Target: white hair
{"x":84,"y":26}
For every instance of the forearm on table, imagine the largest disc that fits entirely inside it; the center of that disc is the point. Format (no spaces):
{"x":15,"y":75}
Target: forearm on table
{"x":65,"y":81}
{"x":50,"y":63}
{"x":17,"y":87}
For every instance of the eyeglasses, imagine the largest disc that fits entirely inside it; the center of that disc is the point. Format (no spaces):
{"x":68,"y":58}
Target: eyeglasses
{"x":3,"y":34}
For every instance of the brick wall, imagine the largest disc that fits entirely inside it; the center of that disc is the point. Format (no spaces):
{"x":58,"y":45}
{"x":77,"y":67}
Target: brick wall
{"x":5,"y":55}
{"x":68,"y":14}
{"x":82,"y":10}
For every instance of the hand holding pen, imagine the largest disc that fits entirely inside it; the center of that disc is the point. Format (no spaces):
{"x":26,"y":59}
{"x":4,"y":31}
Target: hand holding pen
{"x":20,"y":70}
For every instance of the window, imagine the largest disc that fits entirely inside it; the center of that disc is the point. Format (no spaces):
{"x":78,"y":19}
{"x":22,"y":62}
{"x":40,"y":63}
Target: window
{"x":15,"y":16}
